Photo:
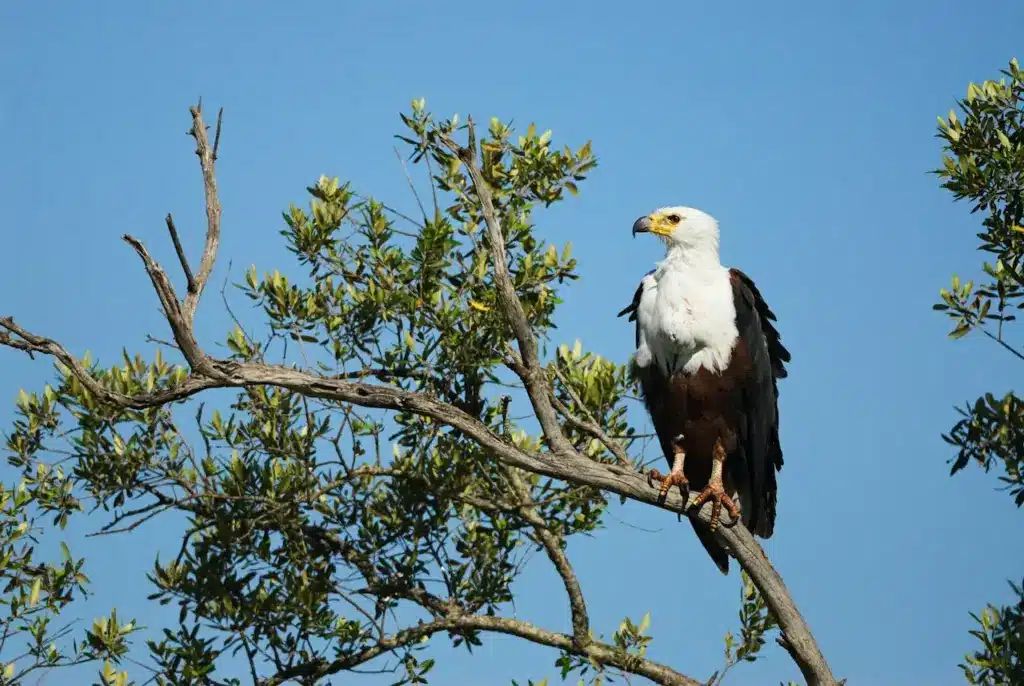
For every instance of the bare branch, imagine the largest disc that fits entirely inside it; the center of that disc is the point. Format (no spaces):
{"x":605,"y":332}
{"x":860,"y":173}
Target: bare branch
{"x":190,"y":280}
{"x":207,"y":156}
{"x":181,"y":325}
{"x":216,"y":137}
{"x":531,"y":372}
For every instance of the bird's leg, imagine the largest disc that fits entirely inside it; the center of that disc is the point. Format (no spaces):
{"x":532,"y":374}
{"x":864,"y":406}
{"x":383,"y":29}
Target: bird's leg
{"x":715,"y":490}
{"x":676,"y":476}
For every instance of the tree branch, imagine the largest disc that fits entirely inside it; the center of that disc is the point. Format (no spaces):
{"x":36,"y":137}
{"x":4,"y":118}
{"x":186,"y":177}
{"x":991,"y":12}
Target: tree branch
{"x":599,"y":652}
{"x":552,"y":544}
{"x":531,"y":372}
{"x":572,"y":468}
{"x":563,"y":463}
{"x":173,"y":230}
{"x":589,"y":425}
{"x":31,"y":343}
{"x":207,"y":158}
{"x":180,"y":315}
{"x":180,"y":323}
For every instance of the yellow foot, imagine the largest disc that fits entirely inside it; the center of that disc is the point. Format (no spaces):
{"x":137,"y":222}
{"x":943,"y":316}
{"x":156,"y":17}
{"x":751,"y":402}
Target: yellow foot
{"x":718,"y":497}
{"x":674,"y":478}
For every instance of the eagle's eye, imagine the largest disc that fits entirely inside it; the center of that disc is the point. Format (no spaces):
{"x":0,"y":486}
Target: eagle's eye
{"x":674,"y":218}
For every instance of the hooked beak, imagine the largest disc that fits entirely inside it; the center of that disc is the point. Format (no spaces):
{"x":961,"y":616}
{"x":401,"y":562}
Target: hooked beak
{"x":642,"y":225}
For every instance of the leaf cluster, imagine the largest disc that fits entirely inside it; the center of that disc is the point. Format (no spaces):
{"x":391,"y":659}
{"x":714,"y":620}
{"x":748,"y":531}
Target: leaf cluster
{"x":983,"y":163}
{"x":756,"y":620}
{"x":1000,"y":659}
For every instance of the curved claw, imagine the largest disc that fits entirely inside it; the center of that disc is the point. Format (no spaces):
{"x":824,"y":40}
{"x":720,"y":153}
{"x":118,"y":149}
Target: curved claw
{"x":673,"y":478}
{"x":718,"y":497}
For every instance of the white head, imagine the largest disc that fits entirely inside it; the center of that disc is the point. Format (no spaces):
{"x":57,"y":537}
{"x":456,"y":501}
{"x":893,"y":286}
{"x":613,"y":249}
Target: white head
{"x":684,"y":230}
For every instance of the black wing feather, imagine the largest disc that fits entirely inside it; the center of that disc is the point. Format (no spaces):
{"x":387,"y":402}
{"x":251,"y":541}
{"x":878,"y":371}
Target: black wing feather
{"x":762,"y":450}
{"x":633,"y":306}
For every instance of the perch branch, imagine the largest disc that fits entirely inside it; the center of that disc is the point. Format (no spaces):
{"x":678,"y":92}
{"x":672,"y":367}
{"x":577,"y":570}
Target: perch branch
{"x":573,"y":468}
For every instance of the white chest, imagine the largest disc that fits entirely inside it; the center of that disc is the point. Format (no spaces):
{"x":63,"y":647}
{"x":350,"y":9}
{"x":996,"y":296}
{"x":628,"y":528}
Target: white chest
{"x":686,"y":319}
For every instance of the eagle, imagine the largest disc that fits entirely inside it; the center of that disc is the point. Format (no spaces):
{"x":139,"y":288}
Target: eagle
{"x":708,"y":358}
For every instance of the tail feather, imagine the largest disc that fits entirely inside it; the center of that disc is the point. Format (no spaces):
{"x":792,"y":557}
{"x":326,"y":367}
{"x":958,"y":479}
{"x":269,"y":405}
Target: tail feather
{"x":718,"y":554}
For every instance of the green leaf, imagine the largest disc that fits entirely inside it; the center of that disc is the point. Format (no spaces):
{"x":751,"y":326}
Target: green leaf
{"x":960,"y":331}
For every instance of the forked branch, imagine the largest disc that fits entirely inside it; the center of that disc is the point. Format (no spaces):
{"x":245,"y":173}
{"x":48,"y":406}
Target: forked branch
{"x":207,"y":159}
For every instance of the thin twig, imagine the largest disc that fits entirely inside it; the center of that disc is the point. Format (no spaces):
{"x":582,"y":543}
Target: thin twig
{"x":412,"y":186}
{"x":1000,"y":341}
{"x":231,"y":312}
{"x":151,"y":510}
{"x":589,"y":425}
{"x":189,"y":279}
{"x":216,"y":136}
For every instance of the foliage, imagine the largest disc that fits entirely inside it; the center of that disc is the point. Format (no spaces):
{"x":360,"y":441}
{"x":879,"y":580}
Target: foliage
{"x":307,"y":545}
{"x":1002,"y":645}
{"x":36,"y":591}
{"x":983,"y":162}
{"x":756,"y":620}
{"x":345,"y":504}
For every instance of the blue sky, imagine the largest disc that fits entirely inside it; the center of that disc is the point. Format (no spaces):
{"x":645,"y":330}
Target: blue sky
{"x":806,"y":130}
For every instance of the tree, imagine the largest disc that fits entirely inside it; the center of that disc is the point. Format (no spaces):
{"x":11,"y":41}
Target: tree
{"x":311,"y":548}
{"x":983,"y":162}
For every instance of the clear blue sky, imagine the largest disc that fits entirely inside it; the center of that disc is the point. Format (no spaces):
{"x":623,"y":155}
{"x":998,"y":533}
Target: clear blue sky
{"x":807,"y":130}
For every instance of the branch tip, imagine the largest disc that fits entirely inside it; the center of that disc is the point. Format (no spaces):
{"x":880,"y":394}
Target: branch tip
{"x":216,"y":136}
{"x":181,"y":253}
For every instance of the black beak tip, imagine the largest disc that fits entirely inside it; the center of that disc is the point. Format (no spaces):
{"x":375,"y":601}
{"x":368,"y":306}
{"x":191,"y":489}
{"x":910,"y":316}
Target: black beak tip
{"x":641,"y":225}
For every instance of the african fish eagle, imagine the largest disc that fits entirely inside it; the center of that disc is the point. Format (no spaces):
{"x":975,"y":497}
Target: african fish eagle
{"x":707,"y":359}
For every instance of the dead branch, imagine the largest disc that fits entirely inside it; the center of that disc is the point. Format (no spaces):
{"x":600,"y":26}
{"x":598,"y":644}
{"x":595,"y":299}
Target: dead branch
{"x":189,"y":279}
{"x":207,"y":158}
